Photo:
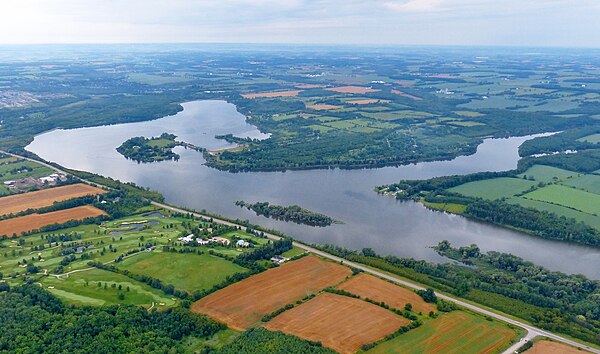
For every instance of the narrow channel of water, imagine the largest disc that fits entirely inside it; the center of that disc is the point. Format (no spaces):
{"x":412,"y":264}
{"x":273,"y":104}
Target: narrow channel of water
{"x":404,"y":229}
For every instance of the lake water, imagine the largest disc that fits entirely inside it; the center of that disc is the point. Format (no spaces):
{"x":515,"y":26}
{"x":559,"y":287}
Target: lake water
{"x":405,"y":229}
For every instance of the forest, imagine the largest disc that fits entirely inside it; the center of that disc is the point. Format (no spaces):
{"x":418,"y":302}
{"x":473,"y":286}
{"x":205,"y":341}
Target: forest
{"x":147,"y":150}
{"x":293,"y":213}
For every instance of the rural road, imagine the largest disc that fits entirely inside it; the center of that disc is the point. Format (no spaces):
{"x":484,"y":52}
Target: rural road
{"x":531,"y":330}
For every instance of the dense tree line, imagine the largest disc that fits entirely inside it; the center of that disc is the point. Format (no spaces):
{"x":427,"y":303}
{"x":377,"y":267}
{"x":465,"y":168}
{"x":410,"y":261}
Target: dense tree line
{"x":586,"y":161}
{"x":561,"y":142}
{"x":292,"y":213}
{"x":259,"y":341}
{"x":568,"y":304}
{"x":33,"y":321}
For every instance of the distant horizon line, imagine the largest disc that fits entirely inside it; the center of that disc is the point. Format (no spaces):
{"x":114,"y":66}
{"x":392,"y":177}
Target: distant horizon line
{"x":274,"y":44}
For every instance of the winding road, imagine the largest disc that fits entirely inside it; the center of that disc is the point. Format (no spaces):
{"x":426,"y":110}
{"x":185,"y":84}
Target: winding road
{"x":531,"y":330}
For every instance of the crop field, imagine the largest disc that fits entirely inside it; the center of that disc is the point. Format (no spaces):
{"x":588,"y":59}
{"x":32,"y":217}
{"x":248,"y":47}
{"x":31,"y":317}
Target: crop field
{"x":549,"y":347}
{"x":590,"y":183}
{"x":30,"y":222}
{"x":547,"y":174}
{"x":243,"y":304}
{"x":368,"y":286}
{"x":190,"y":272}
{"x":594,"y":138}
{"x":272,"y":94}
{"x":396,"y":115}
{"x":407,"y":95}
{"x":367,"y":101}
{"x":45,"y":197}
{"x":339,"y":322}
{"x":322,"y":107}
{"x":88,"y":288}
{"x":452,"y":333}
{"x":352,"y":89}
{"x":494,"y":188}
{"x":573,"y":198}
{"x":591,"y":220}
{"x":16,"y":169}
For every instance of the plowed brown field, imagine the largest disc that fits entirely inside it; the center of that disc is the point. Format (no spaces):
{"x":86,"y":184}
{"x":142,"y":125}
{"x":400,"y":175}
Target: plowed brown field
{"x":352,"y":89}
{"x":243,"y":304}
{"x":35,"y":221}
{"x":45,"y":197}
{"x":368,"y":286}
{"x":339,"y":322}
{"x":368,"y":101}
{"x":404,"y":94}
{"x":272,"y":94}
{"x":548,"y":347}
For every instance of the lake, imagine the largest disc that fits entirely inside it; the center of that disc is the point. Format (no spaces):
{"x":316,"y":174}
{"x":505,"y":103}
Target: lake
{"x":404,"y":229}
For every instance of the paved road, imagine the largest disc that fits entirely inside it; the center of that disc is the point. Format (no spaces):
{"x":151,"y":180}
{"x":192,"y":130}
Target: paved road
{"x":531,"y":330}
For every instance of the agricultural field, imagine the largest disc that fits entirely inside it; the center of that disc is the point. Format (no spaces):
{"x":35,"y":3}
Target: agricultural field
{"x":550,"y":347}
{"x":592,"y":220}
{"x":590,"y":183}
{"x":547,"y":174}
{"x":272,"y":94}
{"x":368,"y":286}
{"x":456,"y":332}
{"x":45,"y":197}
{"x":16,"y":226}
{"x":494,"y":188}
{"x":243,"y":304}
{"x":339,"y":322}
{"x":190,"y":272}
{"x":594,"y":138}
{"x":568,"y":197}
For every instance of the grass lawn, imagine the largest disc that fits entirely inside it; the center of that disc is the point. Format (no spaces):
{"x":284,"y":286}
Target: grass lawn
{"x":569,"y":197}
{"x":591,"y":220}
{"x":187,"y":271}
{"x":82,"y":289}
{"x":547,"y":174}
{"x":455,"y":332}
{"x":590,"y":183}
{"x":449,"y":207}
{"x":293,"y":252}
{"x":494,"y":188}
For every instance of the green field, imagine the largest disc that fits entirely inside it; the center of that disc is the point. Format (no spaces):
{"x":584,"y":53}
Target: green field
{"x":404,"y":114}
{"x":189,"y":272}
{"x":590,"y":183}
{"x":10,"y":171}
{"x":82,"y":289}
{"x":569,"y":197}
{"x":591,"y":220}
{"x":547,"y":174}
{"x":594,"y":138}
{"x":495,"y":188}
{"x":293,"y":252}
{"x":453,"y":333}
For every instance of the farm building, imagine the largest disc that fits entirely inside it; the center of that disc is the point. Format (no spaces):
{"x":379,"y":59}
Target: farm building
{"x":242,"y":243}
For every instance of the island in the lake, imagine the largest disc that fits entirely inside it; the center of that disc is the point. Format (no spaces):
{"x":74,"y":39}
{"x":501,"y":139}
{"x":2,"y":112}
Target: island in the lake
{"x":153,"y":149}
{"x":293,"y":213}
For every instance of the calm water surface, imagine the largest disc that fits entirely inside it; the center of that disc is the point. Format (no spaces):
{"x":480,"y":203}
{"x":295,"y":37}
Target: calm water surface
{"x":404,"y":229}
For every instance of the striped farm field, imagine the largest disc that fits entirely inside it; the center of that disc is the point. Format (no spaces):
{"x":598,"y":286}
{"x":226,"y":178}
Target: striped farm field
{"x":243,"y":304}
{"x":368,"y":286}
{"x":570,"y":197}
{"x":339,"y":322}
{"x":45,"y":197}
{"x":456,"y":332}
{"x":35,"y":221}
{"x":272,"y":94}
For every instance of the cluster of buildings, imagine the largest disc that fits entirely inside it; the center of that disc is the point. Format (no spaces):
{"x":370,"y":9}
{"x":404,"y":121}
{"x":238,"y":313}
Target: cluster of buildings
{"x":213,"y":240}
{"x":29,"y":182}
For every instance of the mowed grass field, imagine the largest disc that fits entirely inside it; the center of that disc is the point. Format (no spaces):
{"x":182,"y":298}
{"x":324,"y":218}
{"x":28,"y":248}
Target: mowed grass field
{"x":82,"y":289}
{"x":368,"y":286}
{"x":45,"y":197}
{"x":339,"y":322}
{"x":573,"y":198}
{"x":35,"y":221}
{"x":592,"y":220}
{"x":547,"y":174}
{"x":456,"y":332}
{"x":494,"y":188}
{"x":190,"y":272}
{"x":590,"y":183}
{"x":243,"y":304}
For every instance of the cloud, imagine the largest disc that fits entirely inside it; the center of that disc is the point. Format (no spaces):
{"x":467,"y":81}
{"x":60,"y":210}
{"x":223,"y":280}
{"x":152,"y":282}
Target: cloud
{"x":414,"y":5}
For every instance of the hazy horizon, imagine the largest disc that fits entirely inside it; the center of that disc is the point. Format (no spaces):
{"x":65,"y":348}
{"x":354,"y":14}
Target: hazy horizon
{"x":511,"y":23}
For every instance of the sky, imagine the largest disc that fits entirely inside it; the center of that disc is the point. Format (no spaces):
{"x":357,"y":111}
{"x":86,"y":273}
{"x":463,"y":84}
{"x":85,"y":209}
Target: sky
{"x":539,"y":23}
